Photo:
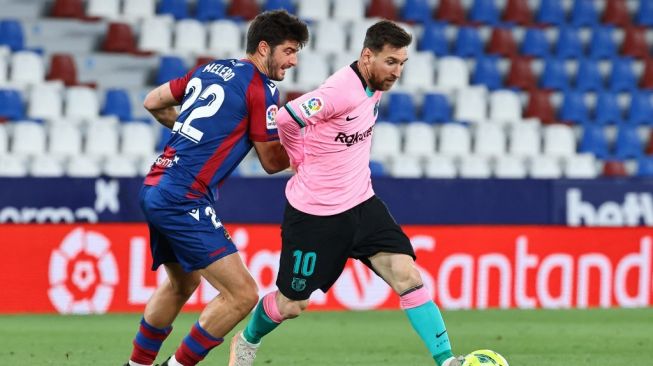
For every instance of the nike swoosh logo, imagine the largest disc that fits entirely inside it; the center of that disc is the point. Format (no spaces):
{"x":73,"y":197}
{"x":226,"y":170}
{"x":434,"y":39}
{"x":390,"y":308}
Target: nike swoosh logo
{"x":352,"y":118}
{"x":440,"y":334}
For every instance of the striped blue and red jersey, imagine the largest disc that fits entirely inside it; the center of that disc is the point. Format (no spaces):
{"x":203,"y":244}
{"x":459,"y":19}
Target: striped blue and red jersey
{"x":226,"y":105}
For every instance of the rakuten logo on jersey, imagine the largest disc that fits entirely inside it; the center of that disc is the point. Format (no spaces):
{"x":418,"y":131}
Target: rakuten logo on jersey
{"x":636,"y":209}
{"x":354,"y":138}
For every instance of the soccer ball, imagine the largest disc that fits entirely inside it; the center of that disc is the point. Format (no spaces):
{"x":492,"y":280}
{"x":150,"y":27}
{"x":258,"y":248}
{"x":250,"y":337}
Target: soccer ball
{"x":484,"y":357}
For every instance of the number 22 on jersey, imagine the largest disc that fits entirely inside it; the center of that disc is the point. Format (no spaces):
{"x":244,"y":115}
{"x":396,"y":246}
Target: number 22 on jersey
{"x":194,"y":87}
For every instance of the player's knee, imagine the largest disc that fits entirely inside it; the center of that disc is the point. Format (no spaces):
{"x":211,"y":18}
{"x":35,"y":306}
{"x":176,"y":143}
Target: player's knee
{"x":405,"y":278}
{"x":247,"y":298}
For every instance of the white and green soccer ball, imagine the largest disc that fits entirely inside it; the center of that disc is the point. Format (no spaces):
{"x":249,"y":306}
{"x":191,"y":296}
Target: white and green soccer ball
{"x":484,"y":357}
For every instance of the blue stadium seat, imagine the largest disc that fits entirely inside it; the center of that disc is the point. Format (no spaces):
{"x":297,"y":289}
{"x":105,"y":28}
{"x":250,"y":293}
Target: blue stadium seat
{"x":645,"y":167}
{"x":622,"y":77}
{"x":628,"y":144}
{"x":400,"y":108}
{"x":280,"y":4}
{"x":550,"y":12}
{"x":640,"y":110}
{"x":588,"y":77}
{"x":593,"y":141}
{"x":377,"y":169}
{"x":416,"y":11}
{"x":573,"y":108}
{"x":602,"y":45}
{"x":584,"y":13}
{"x":468,"y":42}
{"x":484,"y":11}
{"x":11,"y":34}
{"x":535,"y":43}
{"x":607,"y":109}
{"x":117,"y":103}
{"x":487,"y":72}
{"x":554,"y":75}
{"x":436,"y":108}
{"x":644,"y":15}
{"x":434,"y":39}
{"x":176,"y":8}
{"x":170,"y":67}
{"x":11,"y":105}
{"x":210,"y":10}
{"x":569,"y":44}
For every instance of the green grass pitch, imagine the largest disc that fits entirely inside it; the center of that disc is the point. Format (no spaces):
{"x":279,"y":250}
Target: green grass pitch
{"x":525,"y":337}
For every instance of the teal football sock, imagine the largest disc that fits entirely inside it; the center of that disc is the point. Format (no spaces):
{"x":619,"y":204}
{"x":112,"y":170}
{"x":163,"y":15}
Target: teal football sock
{"x":429,"y":325}
{"x":259,"y":325}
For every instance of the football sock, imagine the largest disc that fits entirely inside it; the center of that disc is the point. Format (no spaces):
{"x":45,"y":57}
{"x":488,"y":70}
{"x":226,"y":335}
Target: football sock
{"x":265,"y":319}
{"x":196,"y":346}
{"x":147,"y":343}
{"x":427,"y":321}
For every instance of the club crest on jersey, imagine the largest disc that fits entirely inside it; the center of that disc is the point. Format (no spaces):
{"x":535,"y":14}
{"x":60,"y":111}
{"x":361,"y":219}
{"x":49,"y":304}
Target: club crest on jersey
{"x":271,"y":117}
{"x":312,"y":106}
{"x":298,"y":284}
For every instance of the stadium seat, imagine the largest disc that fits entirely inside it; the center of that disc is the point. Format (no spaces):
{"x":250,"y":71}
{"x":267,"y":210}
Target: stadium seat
{"x":386,"y":142}
{"x":588,"y":77}
{"x":170,"y":67}
{"x":518,"y":12}
{"x":634,"y":43}
{"x":483,"y":11}
{"x":82,"y":166}
{"x":607,"y":109}
{"x":119,"y":38}
{"x":452,"y":73}
{"x":29,"y":138}
{"x":436,"y":108}
{"x":510,"y":167}
{"x":313,"y":9}
{"x":622,"y":77}
{"x":489,"y":140}
{"x":539,"y":106}
{"x":573,"y":109}
{"x":524,"y":140}
{"x":544,"y":167}
{"x":312,"y":70}
{"x":551,"y":12}
{"x":419,"y":73}
{"x":12,"y":166}
{"x":27,"y":68}
{"x":45,"y":166}
{"x":502,"y":42}
{"x":471,"y":105}
{"x":559,"y":141}
{"x":628,"y":144}
{"x":584,"y":13}
{"x":400,"y":108}
{"x":468,"y":42}
{"x":101,"y":140}
{"x":535,"y":43}
{"x":45,"y":103}
{"x":12,"y":107}
{"x":419,"y":140}
{"x":614,"y":169}
{"x":646,"y":80}
{"x":602,"y":44}
{"x":12,"y":35}
{"x":616,"y":13}
{"x":580,"y":166}
{"x":357,"y":34}
{"x":377,"y":169}
{"x":208,"y":10}
{"x":486,"y":72}
{"x":474,"y":167}
{"x":645,"y":167}
{"x":440,"y":167}
{"x":520,"y":75}
{"x":156,"y":34}
{"x":190,"y":36}
{"x":554,"y":75}
{"x":4,"y":71}
{"x":118,"y":166}
{"x":108,"y":9}
{"x":68,"y":9}
{"x":62,"y":67}
{"x":416,"y":11}
{"x":137,"y":139}
{"x":224,"y":38}
{"x":288,"y":5}
{"x":644,"y":14}
{"x":4,"y":140}
{"x":385,"y":9}
{"x":434,"y":39}
{"x":451,"y":11}
{"x":640,"y":110}
{"x":593,"y":140}
{"x":329,"y":37}
{"x":117,"y":103}
{"x":454,"y":140}
{"x":176,"y":8}
{"x":505,"y":107}
{"x":341,"y":60}
{"x":81,"y":103}
{"x":406,"y":166}
{"x":243,"y":9}
{"x":349,"y":10}
{"x":65,"y":140}
{"x":569,"y":44}
{"x":139,"y":8}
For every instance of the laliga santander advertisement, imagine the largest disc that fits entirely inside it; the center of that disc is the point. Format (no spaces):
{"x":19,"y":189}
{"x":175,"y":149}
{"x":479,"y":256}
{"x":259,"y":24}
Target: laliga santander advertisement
{"x":105,"y":268}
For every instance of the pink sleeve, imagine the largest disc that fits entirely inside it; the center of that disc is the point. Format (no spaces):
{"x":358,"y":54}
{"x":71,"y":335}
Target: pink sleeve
{"x":315,"y":106}
{"x":290,"y":135}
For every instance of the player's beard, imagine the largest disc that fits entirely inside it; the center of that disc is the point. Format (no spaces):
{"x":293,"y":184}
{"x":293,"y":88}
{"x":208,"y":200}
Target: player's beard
{"x":274,"y":69}
{"x":380,"y":84}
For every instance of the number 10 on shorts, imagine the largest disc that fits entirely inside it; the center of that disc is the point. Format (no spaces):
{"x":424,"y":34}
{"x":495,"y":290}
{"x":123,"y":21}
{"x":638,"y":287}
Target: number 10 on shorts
{"x":304,"y":262}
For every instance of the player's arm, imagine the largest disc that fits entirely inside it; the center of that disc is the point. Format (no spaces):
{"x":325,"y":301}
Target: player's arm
{"x":272,"y":155}
{"x":161,"y":103}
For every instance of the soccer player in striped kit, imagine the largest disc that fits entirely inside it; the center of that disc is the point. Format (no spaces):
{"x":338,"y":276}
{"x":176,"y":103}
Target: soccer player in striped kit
{"x":227,"y":106}
{"x":332,"y":212}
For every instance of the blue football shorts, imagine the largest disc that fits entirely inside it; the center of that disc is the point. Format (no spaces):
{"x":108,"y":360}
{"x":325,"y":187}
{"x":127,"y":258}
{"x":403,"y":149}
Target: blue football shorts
{"x":184,"y":231}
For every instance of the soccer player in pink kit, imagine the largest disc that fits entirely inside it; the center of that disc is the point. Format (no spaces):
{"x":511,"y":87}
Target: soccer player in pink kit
{"x":332,"y":212}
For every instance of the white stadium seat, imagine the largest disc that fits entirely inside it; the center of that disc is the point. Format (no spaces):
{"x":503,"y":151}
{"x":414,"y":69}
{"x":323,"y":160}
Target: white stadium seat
{"x":544,"y":167}
{"x":440,"y":166}
{"x":329,"y":37}
{"x":190,"y":36}
{"x":525,"y":140}
{"x":29,"y":138}
{"x":139,"y":8}
{"x":419,"y":139}
{"x":454,"y":140}
{"x":81,"y":104}
{"x":312,"y":70}
{"x":581,"y":166}
{"x":406,"y":166}
{"x":508,"y":166}
{"x":83,"y":166}
{"x":156,"y":34}
{"x":45,"y":103}
{"x":453,"y":73}
{"x":419,"y":72}
{"x":386,"y":142}
{"x":46,"y":166}
{"x":559,"y":141}
{"x":65,"y":140}
{"x":474,"y":166}
{"x":505,"y":107}
{"x":12,"y":166}
{"x":4,"y":139}
{"x":27,"y":68}
{"x":103,"y":8}
{"x":489,"y":140}
{"x":120,"y":166}
{"x":137,"y":139}
{"x":101,"y":140}
{"x":349,"y":9}
{"x":225,"y":38}
{"x":313,"y":9}
{"x":471,"y":105}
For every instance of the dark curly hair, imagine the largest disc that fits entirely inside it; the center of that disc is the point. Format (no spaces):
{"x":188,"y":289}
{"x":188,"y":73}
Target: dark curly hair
{"x":275,"y":27}
{"x":385,"y":32}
